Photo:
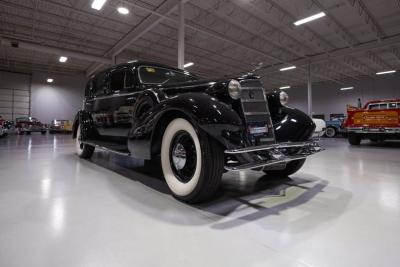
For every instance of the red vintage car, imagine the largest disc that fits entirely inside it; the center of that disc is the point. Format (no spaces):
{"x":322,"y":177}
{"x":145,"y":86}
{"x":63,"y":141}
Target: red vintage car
{"x":28,"y":125}
{"x":379,"y":120}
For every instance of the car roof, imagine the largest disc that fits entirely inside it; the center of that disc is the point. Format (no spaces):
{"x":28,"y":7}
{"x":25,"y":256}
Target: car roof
{"x":382,"y":101}
{"x":137,"y":63}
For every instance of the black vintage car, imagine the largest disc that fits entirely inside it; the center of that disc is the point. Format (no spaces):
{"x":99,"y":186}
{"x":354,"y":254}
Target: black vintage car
{"x":198,"y":128}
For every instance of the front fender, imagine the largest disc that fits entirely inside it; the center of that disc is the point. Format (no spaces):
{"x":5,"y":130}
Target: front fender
{"x":215,"y":118}
{"x":294,"y":126}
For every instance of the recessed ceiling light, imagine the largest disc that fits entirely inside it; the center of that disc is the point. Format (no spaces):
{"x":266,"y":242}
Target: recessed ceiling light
{"x":310,"y":18}
{"x":63,"y":59}
{"x":98,"y":4}
{"x":284,"y":87}
{"x":385,"y":72}
{"x":50,"y":80}
{"x":123,"y":10}
{"x":288,"y":68}
{"x":188,"y":64}
{"x":346,"y":88}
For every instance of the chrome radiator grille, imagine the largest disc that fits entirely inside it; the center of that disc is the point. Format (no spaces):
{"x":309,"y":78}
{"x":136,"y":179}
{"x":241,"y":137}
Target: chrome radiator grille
{"x":256,"y":112}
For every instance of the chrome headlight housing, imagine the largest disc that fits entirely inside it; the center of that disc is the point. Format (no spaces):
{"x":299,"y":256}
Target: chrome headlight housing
{"x":234,"y":89}
{"x":283,"y":98}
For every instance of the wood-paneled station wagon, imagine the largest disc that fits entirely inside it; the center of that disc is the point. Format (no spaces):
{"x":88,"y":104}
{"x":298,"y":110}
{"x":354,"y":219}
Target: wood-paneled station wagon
{"x":199,"y":128}
{"x":379,"y":120}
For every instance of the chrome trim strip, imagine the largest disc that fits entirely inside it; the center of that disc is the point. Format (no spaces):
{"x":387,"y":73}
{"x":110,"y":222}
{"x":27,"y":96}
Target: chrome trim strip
{"x":253,"y":101}
{"x":105,"y":148}
{"x":256,"y":113}
{"x":272,"y":146}
{"x":111,"y":96}
{"x":255,"y":165}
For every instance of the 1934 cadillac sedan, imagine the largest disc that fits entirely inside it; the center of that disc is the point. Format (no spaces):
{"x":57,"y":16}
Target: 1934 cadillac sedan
{"x":198,"y":128}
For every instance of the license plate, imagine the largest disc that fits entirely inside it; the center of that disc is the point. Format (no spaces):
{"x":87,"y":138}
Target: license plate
{"x":258,"y":130}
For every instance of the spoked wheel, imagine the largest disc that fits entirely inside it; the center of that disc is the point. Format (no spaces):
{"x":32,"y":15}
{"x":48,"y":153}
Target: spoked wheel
{"x":192,"y":163}
{"x":83,"y":150}
{"x":330,"y":132}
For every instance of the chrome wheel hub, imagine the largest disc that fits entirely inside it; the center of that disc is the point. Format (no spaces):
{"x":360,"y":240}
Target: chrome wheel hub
{"x":179,"y":156}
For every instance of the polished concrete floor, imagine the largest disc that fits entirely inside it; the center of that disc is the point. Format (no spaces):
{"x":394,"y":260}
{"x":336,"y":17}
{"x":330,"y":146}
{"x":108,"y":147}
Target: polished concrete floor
{"x":341,"y":209}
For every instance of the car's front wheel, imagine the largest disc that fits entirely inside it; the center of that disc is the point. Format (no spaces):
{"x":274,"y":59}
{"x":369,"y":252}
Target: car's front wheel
{"x":354,"y":139}
{"x":83,"y":150}
{"x":330,"y":132}
{"x":192,"y":163}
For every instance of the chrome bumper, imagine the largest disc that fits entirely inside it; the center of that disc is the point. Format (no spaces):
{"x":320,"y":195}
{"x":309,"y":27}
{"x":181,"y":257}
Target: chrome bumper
{"x":365,"y":130}
{"x":275,"y":154}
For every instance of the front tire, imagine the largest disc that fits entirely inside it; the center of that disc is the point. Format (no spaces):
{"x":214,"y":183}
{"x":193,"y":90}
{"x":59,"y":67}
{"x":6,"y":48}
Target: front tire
{"x":192,"y":163}
{"x":291,"y":167}
{"x":330,"y":132}
{"x":84,"y":151}
{"x":354,"y":139}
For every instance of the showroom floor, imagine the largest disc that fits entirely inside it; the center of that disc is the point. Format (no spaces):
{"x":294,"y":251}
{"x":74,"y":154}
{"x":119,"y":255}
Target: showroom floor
{"x":341,"y":209}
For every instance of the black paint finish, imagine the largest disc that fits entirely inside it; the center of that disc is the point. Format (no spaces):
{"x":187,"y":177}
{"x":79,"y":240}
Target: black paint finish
{"x":136,"y":114}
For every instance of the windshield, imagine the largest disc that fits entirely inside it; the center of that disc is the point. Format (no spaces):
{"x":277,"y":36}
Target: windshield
{"x":158,"y":75}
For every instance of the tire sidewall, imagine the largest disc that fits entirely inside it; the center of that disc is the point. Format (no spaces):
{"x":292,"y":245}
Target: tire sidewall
{"x":178,"y":188}
{"x":330,"y":129}
{"x":78,"y":147}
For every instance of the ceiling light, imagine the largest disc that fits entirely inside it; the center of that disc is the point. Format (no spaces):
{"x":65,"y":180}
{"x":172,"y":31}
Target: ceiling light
{"x":284,"y":87}
{"x":50,"y":80}
{"x":188,"y":64}
{"x":385,"y":72}
{"x":310,"y":18}
{"x":288,"y":68}
{"x":123,"y":10}
{"x":63,"y":59}
{"x":346,"y":88}
{"x":98,"y":4}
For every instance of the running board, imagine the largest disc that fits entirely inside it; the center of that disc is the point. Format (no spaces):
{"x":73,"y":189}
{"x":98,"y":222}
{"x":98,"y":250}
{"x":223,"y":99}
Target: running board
{"x":108,"y":148}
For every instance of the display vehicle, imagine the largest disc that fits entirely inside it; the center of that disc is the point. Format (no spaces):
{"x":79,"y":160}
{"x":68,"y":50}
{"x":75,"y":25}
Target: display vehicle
{"x":196,"y":128}
{"x":334,"y":127}
{"x":377,"y":121}
{"x":28,"y":125}
{"x":60,"y":126}
{"x":3,"y":131}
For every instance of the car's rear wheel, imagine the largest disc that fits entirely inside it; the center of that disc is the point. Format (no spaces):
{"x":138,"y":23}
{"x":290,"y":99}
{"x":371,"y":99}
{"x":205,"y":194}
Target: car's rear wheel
{"x":192,"y":163}
{"x":354,"y":139}
{"x":330,"y":132}
{"x":291,"y":167}
{"x":83,"y":150}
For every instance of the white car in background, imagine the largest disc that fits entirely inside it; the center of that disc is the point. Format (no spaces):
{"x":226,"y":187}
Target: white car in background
{"x":320,"y":128}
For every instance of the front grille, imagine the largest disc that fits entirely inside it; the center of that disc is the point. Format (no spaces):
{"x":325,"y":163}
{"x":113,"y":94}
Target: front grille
{"x":256,"y":112}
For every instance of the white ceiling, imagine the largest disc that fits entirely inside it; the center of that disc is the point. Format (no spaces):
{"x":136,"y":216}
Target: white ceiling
{"x":223,"y":37}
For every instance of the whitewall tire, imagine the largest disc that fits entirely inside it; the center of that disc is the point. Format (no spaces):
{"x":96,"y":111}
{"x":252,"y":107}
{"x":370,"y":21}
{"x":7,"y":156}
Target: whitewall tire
{"x":192,"y":163}
{"x":83,"y":150}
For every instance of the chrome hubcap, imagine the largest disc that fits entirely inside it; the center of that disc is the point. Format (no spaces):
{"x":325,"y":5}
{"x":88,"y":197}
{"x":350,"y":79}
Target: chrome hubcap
{"x":179,"y":156}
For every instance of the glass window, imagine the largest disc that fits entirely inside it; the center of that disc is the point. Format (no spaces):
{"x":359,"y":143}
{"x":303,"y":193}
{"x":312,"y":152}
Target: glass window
{"x":383,"y":106}
{"x":117,"y":80}
{"x":129,"y":79}
{"x":157,"y":75}
{"x":398,"y":105}
{"x":392,"y":105}
{"x":374,"y":106}
{"x":100,"y":83}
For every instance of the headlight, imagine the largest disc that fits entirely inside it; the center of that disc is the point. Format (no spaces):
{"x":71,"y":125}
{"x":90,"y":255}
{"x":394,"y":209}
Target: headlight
{"x":283,"y":98}
{"x":234,"y":89}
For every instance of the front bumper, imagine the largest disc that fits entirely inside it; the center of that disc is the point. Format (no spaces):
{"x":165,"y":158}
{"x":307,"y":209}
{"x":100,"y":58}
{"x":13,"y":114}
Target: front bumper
{"x":272,"y":154}
{"x":368,"y":130}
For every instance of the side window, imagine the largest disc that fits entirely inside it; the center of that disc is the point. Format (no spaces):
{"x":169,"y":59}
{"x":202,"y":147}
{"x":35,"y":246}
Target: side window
{"x":373,"y":106}
{"x":100,"y":83}
{"x":392,"y":105}
{"x":398,"y":105}
{"x":129,"y":79}
{"x":117,"y":80}
{"x":383,"y":106}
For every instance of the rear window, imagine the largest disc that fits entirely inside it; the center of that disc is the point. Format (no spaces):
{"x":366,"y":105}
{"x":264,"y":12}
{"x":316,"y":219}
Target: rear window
{"x":158,"y":75}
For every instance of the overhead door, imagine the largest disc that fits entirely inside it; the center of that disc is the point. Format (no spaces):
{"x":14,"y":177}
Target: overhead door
{"x":14,"y":95}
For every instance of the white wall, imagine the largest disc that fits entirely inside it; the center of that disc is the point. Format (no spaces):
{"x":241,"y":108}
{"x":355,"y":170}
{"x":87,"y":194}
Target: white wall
{"x":328,"y":99}
{"x":60,"y":99}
